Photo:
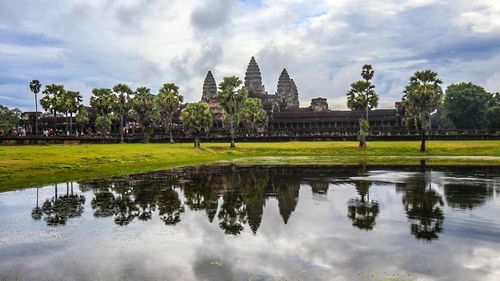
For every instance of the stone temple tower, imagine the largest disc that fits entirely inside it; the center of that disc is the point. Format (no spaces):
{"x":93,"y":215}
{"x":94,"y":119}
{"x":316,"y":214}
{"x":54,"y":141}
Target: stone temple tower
{"x":287,"y":93}
{"x":209,"y":88}
{"x":253,"y":80}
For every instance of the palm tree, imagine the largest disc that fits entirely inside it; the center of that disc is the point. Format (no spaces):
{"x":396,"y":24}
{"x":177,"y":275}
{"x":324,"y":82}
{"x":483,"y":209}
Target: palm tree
{"x":362,"y":97}
{"x":231,"y":96}
{"x":82,"y":117}
{"x":103,"y":101}
{"x":73,"y":101}
{"x":169,"y":101}
{"x":423,"y":95}
{"x":144,"y":110}
{"x":35,"y":89}
{"x":53,"y":97}
{"x":197,"y":120}
{"x":124,"y":94}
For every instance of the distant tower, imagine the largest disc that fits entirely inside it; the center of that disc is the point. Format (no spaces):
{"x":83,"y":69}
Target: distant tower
{"x":209,"y":88}
{"x":287,"y":93}
{"x":294,"y":94}
{"x":283,"y":86}
{"x":253,"y":80}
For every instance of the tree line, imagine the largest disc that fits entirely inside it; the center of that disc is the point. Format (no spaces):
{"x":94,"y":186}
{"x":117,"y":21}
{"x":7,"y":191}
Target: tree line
{"x":120,"y":103}
{"x":461,"y":106}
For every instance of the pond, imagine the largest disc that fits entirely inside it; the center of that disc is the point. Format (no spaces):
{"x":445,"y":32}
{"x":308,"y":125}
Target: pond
{"x":258,"y":223}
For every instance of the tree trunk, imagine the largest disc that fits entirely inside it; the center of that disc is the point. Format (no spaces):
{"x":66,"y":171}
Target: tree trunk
{"x":231,"y":129}
{"x":423,"y":121}
{"x":36,"y":116}
{"x":170,"y":130}
{"x":55,"y":129}
{"x":121,"y":128}
{"x":143,"y":134}
{"x":197,"y":142}
{"x":362,"y":139}
{"x":67,"y":128}
{"x":71,"y":123}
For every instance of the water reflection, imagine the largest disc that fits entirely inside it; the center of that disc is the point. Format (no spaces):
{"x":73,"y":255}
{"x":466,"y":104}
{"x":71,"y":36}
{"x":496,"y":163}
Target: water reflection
{"x":58,"y":209}
{"x":223,"y":222}
{"x":237,"y":196}
{"x":423,"y":206}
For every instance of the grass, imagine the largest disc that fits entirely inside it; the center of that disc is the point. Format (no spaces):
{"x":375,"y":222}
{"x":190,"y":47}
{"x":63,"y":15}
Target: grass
{"x":22,"y":166}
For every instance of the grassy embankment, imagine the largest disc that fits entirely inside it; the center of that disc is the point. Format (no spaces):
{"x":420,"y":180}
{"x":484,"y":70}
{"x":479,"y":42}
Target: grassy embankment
{"x":36,"y":165}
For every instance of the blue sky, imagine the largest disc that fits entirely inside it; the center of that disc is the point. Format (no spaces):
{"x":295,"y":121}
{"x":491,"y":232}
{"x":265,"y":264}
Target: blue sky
{"x":322,"y":43}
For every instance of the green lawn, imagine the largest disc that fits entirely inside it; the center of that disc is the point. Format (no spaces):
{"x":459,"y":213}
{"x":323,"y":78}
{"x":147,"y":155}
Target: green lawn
{"x":35,"y":165}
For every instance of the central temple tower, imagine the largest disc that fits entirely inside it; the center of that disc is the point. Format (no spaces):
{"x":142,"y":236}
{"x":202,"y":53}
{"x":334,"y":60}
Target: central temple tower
{"x":253,"y":80}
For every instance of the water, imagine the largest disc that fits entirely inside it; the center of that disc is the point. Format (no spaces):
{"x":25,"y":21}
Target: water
{"x":258,"y":223}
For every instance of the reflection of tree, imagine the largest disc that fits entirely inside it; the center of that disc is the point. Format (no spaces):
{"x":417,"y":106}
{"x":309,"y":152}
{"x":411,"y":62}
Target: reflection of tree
{"x":104,"y":204}
{"x":36,"y":213}
{"x":59,"y":209}
{"x":362,"y":211}
{"x":199,"y":193}
{"x":232,"y":215}
{"x":252,"y":189}
{"x":169,"y":206}
{"x":467,"y":196}
{"x":423,"y":208}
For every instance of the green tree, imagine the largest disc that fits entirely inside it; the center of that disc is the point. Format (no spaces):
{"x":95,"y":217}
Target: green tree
{"x":144,"y":110}
{"x":169,"y":101}
{"x":82,"y":117}
{"x":253,"y":114}
{"x":232,"y":96}
{"x":197,"y":120}
{"x":102,"y":101}
{"x":103,"y":124}
{"x":422,"y":96}
{"x":124,"y":94}
{"x":362,"y":97}
{"x":35,"y":89}
{"x":9,"y":118}
{"x":53,"y":99}
{"x":493,"y":113}
{"x":466,"y":105}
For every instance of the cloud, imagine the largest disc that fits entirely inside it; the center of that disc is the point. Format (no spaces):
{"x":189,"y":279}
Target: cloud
{"x":322,"y":43}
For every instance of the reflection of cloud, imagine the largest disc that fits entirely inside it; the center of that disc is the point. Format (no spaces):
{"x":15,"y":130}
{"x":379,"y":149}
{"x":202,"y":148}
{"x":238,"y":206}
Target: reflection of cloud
{"x":318,"y":242}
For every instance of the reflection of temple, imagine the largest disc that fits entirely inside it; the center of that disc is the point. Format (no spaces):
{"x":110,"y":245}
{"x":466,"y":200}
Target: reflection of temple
{"x":286,"y":115}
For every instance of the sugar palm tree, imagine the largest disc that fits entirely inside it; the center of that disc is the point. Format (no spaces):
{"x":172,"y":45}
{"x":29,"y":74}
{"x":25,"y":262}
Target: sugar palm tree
{"x":52,"y":100}
{"x":82,"y":117}
{"x":144,"y":110}
{"x":423,"y":95}
{"x":169,"y":101}
{"x":35,"y":89}
{"x":232,"y":96}
{"x":124,"y":95}
{"x":362,"y":97}
{"x":73,"y":101}
{"x":197,"y":120}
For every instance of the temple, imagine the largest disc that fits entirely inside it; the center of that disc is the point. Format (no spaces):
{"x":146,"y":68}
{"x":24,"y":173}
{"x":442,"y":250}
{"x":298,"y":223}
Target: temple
{"x":286,"y":115}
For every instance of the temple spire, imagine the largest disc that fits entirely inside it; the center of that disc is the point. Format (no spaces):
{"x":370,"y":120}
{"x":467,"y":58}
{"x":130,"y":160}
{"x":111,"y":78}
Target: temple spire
{"x":253,"y":79}
{"x":209,"y":88}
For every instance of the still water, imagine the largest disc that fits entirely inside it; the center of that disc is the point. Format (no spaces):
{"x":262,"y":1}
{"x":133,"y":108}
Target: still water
{"x":258,"y":223}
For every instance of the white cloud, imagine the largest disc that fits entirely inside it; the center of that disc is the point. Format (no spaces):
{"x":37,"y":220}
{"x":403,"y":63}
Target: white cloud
{"x":322,"y":43}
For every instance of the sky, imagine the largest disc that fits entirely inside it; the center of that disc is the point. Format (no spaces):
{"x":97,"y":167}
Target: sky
{"x":323,"y":44}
